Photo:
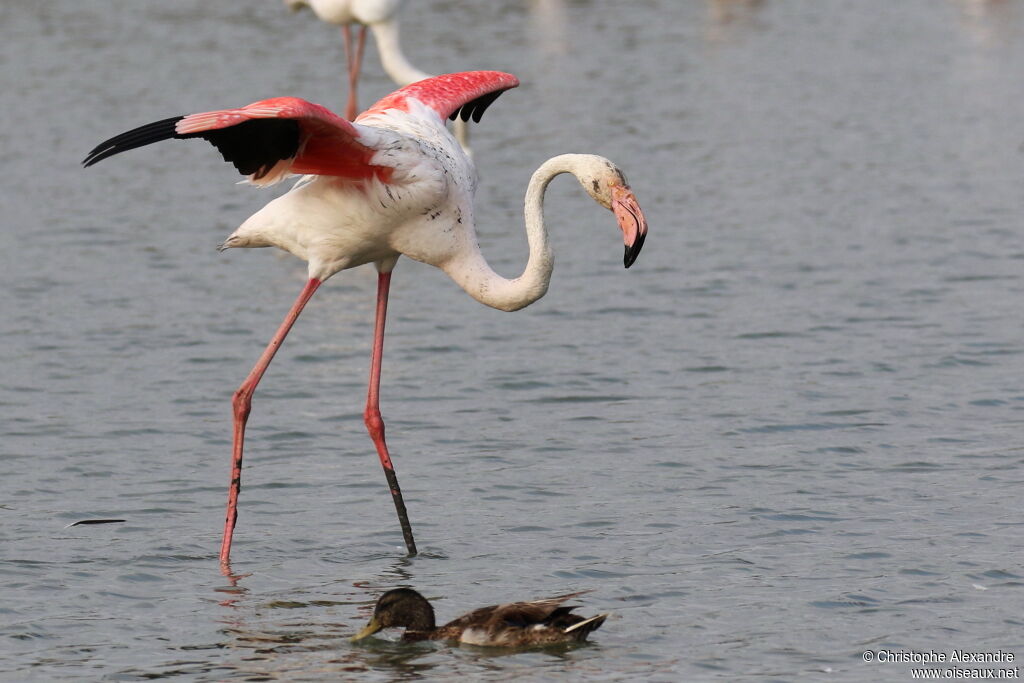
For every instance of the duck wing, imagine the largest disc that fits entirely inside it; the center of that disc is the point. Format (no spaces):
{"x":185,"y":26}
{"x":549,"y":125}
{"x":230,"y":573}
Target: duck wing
{"x":516,"y":624}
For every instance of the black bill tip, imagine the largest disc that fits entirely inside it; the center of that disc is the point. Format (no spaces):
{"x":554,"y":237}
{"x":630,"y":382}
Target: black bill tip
{"x":632,"y":251}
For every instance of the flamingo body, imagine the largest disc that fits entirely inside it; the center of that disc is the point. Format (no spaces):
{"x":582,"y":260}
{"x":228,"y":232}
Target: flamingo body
{"x":393,"y":182}
{"x":341,"y":12}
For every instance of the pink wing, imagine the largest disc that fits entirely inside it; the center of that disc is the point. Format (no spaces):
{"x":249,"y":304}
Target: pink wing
{"x":266,"y":140}
{"x":468,"y":93}
{"x":270,"y":139}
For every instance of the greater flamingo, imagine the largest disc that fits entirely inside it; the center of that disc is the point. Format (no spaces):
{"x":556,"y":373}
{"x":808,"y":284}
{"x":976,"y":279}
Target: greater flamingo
{"x":381,"y":17}
{"x":393,"y":182}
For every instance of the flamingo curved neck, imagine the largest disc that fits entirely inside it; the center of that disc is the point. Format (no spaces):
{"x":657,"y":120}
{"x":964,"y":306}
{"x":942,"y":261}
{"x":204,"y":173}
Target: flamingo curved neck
{"x":391,"y":56}
{"x":472,"y":272}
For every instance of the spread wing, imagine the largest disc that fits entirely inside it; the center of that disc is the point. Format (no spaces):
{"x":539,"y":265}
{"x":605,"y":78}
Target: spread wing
{"x":266,"y":140}
{"x":271,"y":139}
{"x":466,"y":94}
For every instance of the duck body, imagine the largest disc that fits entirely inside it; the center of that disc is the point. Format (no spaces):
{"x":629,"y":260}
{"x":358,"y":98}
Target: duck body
{"x":511,"y":625}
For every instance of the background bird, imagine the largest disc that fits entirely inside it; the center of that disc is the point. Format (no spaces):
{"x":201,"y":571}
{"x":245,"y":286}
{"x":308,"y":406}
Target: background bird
{"x":380,"y":17}
{"x":393,"y":182}
{"x":514,"y":624}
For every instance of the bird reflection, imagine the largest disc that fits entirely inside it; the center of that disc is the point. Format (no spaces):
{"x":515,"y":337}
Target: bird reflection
{"x":233,"y":590}
{"x":727,"y":17}
{"x":548,"y":21}
{"x":261,"y":633}
{"x":989,"y":23}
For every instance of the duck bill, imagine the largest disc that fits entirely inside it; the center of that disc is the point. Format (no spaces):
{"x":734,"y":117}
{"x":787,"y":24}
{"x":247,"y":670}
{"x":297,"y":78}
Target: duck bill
{"x":631,"y":222}
{"x":368,"y":630}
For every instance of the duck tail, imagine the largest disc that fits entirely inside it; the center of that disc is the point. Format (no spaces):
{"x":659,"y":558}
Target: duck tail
{"x":581,"y":629}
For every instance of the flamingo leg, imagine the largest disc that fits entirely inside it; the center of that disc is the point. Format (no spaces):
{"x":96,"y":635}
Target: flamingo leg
{"x":374,"y":422}
{"x":354,"y":58}
{"x":241,"y":403}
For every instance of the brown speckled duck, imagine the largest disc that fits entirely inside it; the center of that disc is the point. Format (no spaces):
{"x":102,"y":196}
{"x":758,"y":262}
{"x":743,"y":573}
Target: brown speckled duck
{"x":515,"y":624}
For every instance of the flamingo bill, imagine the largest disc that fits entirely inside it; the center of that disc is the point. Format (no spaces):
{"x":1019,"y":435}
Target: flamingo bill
{"x":631,"y":221}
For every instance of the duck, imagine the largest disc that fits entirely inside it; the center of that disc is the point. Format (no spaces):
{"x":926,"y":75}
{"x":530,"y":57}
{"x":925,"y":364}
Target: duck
{"x":511,"y":625}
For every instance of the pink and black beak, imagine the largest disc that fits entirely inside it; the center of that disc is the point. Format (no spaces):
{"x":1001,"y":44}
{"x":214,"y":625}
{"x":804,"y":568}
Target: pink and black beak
{"x":631,"y":222}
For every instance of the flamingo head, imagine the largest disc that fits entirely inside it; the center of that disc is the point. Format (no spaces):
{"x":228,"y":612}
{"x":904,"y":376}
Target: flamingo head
{"x":607,"y":185}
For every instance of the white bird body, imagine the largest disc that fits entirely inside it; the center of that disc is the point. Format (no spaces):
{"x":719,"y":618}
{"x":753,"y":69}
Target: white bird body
{"x":334,"y":223}
{"x":349,"y":11}
{"x":394,"y":182}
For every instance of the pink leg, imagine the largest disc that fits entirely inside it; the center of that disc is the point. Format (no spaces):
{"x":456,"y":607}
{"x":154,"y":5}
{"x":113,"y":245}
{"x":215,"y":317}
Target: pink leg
{"x":354,"y":57}
{"x":374,"y":423}
{"x":241,"y":403}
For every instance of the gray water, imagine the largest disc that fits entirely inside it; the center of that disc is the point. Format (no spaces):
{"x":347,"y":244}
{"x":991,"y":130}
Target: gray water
{"x":789,"y":434}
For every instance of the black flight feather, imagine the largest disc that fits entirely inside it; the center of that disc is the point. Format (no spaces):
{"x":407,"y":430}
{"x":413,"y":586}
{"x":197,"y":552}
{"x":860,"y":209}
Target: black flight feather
{"x":475,"y":108}
{"x":137,"y":137}
{"x":253,"y":146}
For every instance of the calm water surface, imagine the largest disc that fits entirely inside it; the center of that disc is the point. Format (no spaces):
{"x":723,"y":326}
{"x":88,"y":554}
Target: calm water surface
{"x":790,"y":433}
